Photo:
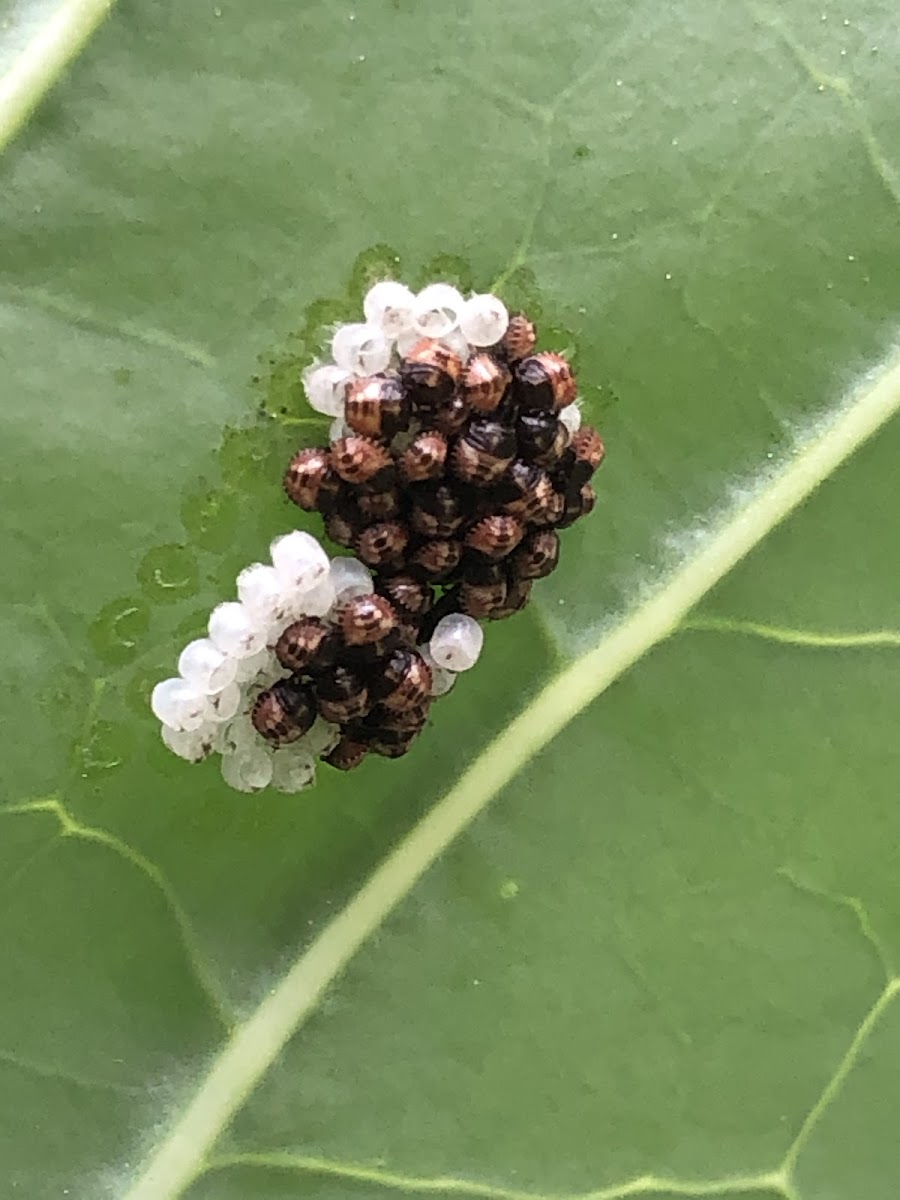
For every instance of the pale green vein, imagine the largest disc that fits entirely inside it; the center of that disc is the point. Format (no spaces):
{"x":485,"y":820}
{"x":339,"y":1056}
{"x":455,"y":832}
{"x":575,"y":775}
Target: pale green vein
{"x":70,"y":827}
{"x":19,"y":1063}
{"x":750,"y":151}
{"x":522,"y":247}
{"x":13,"y":879}
{"x":788,"y":636}
{"x":259,"y":1040}
{"x":841,"y":88}
{"x":53,"y":42}
{"x":548,"y":118}
{"x":838,"y":1079}
{"x":851,"y":904}
{"x":38,"y":607}
{"x":780,"y":1181}
{"x":504,"y":98}
{"x":79,"y":316}
{"x":643,"y":1185}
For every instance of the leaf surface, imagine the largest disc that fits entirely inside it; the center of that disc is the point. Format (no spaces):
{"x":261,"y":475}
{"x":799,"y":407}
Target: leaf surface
{"x":627,"y":923}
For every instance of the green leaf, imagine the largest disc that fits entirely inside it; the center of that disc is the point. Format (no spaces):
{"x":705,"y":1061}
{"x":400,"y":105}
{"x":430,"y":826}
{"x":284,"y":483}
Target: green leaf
{"x":627,"y":923}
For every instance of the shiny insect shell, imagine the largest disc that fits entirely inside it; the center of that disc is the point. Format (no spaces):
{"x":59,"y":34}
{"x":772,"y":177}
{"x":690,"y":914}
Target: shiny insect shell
{"x":430,"y":372}
{"x":495,"y":536}
{"x":537,"y":556}
{"x":409,"y":594}
{"x":557,"y":448}
{"x":437,"y":510}
{"x":578,"y":506}
{"x":550,"y":515}
{"x":536,"y":433}
{"x":342,"y":696}
{"x":534,"y":490}
{"x":383,"y":543}
{"x":359,"y":459}
{"x":413,"y":682}
{"x":424,"y":458}
{"x":284,"y":712}
{"x":438,"y":559}
{"x":478,"y":600}
{"x":517,"y":596}
{"x":587,"y":447}
{"x":482,"y":454}
{"x":588,"y":500}
{"x":484,"y":383}
{"x":544,"y":382}
{"x":451,"y":415}
{"x":376,"y":406}
{"x":309,"y":470}
{"x":309,"y":645}
{"x":389,"y":673}
{"x":365,"y":620}
{"x":347,"y":754}
{"x":520,"y":338}
{"x":581,"y":459}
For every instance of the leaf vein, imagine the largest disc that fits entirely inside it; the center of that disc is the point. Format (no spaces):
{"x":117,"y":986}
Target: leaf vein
{"x":788,"y":636}
{"x":79,"y":316}
{"x":851,"y":904}
{"x":33,"y":72}
{"x":885,"y":172}
{"x":258,"y":1041}
{"x":643,"y":1185}
{"x":70,"y":827}
{"x":841,"y":1073}
{"x":43,"y":1071}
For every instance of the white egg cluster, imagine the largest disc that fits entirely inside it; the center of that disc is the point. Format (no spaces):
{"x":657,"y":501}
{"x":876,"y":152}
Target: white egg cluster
{"x":396,"y":319}
{"x":205,"y":709}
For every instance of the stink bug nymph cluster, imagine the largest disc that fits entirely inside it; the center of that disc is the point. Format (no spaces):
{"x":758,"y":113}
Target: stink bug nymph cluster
{"x":456,"y":456}
{"x":464,"y":449}
{"x":453,"y":466}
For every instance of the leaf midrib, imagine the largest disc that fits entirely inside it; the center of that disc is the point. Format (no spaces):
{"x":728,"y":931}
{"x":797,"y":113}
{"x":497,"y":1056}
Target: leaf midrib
{"x":255,"y":1044}
{"x":53,"y":44}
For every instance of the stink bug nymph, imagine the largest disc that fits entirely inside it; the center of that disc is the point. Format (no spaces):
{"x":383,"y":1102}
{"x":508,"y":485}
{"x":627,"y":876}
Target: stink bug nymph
{"x":359,"y":459}
{"x":520,"y":338}
{"x":284,"y":712}
{"x":485,"y":382}
{"x":382,"y":544}
{"x":545,"y":382}
{"x":425,"y":457}
{"x":309,"y":645}
{"x":308,"y":476}
{"x":430,"y":372}
{"x":342,"y":695}
{"x":377,"y":406}
{"x":482,"y":454}
{"x":367,"y":619}
{"x":412,"y":682}
{"x":495,"y":536}
{"x":437,"y":510}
